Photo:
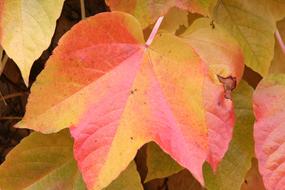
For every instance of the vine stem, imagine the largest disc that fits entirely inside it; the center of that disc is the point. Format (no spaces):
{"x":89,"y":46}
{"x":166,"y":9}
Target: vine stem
{"x":280,"y":41}
{"x":154,"y":31}
{"x":82,"y":6}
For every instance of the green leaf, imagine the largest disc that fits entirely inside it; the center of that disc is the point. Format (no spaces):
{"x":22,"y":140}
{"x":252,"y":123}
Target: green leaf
{"x":183,"y":181}
{"x":42,"y":162}
{"x":213,"y":44}
{"x":252,"y":23}
{"x":148,"y":11}
{"x":26,"y":29}
{"x":237,"y":161}
{"x":128,"y":180}
{"x":174,"y":19}
{"x":159,"y":164}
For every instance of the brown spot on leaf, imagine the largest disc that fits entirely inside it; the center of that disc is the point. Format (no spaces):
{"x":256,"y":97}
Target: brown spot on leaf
{"x":229,"y":84}
{"x":133,"y":91}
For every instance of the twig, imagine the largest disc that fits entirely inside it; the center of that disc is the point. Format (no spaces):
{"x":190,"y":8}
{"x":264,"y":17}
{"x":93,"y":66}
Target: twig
{"x":10,"y":118}
{"x":82,"y":6}
{"x":280,"y":41}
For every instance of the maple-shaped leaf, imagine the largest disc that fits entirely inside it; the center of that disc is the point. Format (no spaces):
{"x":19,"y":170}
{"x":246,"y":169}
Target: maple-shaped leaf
{"x":269,"y":131}
{"x":148,"y":11}
{"x":253,"y":24}
{"x":118,"y":92}
{"x":26,"y":29}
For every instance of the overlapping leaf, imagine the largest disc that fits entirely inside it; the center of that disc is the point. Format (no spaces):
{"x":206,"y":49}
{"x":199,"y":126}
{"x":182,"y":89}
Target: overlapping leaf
{"x":46,"y":162}
{"x":252,"y":23}
{"x":233,"y":168}
{"x":174,"y":19}
{"x":117,"y":94}
{"x":237,"y":161}
{"x":148,"y":11}
{"x":128,"y":180}
{"x":41,"y":162}
{"x":159,"y":164}
{"x":26,"y":29}
{"x":269,"y":131}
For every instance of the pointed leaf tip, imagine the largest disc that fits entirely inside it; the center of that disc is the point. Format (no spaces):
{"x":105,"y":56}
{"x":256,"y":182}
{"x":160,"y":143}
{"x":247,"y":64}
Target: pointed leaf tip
{"x":26,"y":30}
{"x":117,"y":95}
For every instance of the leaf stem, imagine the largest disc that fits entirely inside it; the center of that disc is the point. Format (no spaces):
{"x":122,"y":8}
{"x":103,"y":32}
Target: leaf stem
{"x":82,"y":6}
{"x":154,"y":31}
{"x":280,"y":41}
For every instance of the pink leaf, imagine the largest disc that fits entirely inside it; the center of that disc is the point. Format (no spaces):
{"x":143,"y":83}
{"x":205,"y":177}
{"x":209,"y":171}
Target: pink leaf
{"x":117,"y":94}
{"x":269,"y":131}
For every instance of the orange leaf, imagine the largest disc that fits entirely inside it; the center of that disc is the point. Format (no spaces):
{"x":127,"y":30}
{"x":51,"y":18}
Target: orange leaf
{"x":118,"y":94}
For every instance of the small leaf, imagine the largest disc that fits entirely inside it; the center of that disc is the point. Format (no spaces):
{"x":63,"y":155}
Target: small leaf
{"x":252,"y":23}
{"x":148,"y":11}
{"x":41,"y":162}
{"x":128,"y":180}
{"x":117,"y":94}
{"x":159,"y":164}
{"x":237,"y":161}
{"x":26,"y":29}
{"x":269,"y":131}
